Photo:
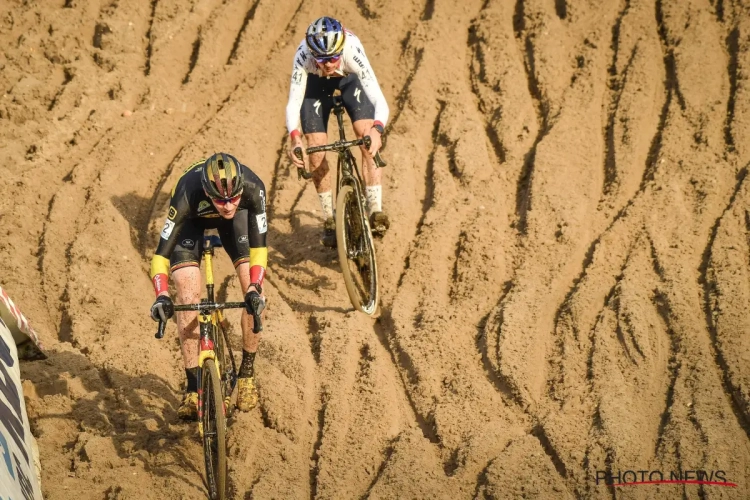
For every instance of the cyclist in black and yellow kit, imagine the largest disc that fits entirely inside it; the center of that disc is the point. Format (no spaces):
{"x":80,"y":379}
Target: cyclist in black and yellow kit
{"x":216,"y":193}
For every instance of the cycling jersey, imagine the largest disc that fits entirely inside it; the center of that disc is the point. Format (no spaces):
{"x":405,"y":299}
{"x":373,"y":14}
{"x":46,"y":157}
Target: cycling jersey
{"x":190,"y":209}
{"x":353,"y":60}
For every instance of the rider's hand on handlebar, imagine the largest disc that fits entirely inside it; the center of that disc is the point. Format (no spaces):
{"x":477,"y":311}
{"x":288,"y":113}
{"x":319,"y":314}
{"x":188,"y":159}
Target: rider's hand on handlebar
{"x":254,"y":303}
{"x":375,"y":141}
{"x":163,"y":308}
{"x":297,"y":143}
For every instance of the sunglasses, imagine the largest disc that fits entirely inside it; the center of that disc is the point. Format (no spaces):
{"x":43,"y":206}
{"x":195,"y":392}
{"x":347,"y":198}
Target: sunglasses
{"x":322,"y":60}
{"x":224,"y":201}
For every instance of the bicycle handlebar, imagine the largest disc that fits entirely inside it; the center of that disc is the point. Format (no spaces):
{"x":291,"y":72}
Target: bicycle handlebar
{"x":207,"y":307}
{"x":337,"y":146}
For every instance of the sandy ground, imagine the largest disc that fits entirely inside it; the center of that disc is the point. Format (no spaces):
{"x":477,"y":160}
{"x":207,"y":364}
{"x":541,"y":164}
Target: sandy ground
{"x":564,"y":286}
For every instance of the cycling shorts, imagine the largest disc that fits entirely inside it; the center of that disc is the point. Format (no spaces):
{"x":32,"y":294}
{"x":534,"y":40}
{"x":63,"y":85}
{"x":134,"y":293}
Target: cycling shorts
{"x":233,"y":233}
{"x":318,"y":102}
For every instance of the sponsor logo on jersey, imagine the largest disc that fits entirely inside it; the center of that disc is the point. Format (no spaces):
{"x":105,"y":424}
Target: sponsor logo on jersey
{"x":357,"y":93}
{"x":262,"y":223}
{"x":317,"y":107}
{"x":204,"y":205}
{"x":263,"y":200}
{"x":359,"y":61}
{"x":188,"y":243}
{"x":242,"y":239}
{"x":167,"y":230}
{"x":172,"y":213}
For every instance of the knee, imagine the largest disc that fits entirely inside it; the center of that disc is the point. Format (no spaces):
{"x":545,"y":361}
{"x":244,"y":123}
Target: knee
{"x":317,"y":159}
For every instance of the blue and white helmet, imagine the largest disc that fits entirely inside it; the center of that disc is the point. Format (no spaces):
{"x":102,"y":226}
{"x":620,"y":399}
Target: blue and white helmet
{"x":325,"y":37}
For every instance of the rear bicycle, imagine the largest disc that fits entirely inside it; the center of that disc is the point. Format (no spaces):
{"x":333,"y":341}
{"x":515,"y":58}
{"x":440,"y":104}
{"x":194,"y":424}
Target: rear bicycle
{"x":354,"y":241}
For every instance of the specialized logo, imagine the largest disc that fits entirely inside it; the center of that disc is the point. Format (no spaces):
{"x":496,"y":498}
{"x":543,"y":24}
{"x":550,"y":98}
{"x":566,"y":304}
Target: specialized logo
{"x":204,"y":205}
{"x":317,"y":107}
{"x":188,"y":243}
{"x":357,"y":93}
{"x":172,"y":213}
{"x":262,"y":223}
{"x":167,"y":230}
{"x":242,"y":239}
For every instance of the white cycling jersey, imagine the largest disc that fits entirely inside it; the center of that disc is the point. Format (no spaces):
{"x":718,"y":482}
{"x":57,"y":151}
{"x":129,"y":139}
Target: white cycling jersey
{"x":353,"y":60}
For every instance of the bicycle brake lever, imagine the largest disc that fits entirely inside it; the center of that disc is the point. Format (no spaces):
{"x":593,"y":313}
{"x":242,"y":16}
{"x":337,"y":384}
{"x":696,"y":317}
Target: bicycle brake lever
{"x":259,"y":305}
{"x":301,"y":172}
{"x":379,"y":161}
{"x":160,"y":332}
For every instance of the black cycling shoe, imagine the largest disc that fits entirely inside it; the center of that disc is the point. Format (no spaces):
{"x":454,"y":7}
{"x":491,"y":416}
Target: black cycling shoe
{"x":379,"y":224}
{"x":329,"y":233}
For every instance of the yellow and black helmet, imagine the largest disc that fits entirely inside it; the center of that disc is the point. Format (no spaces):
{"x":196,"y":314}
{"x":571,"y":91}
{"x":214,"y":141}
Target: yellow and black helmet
{"x":222,"y":176}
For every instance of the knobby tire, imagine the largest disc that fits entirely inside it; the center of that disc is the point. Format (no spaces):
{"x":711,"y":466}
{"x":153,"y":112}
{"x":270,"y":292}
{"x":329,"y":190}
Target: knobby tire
{"x":353,"y":234}
{"x":214,"y":431}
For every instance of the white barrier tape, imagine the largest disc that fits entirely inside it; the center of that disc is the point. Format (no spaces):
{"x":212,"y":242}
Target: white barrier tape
{"x":19,"y":457}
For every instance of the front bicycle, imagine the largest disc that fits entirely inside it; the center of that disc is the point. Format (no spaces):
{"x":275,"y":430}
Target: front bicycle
{"x":217,"y":378}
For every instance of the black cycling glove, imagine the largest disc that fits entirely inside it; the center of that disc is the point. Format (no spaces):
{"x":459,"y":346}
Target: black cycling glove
{"x":254,"y":303}
{"x":163,"y":308}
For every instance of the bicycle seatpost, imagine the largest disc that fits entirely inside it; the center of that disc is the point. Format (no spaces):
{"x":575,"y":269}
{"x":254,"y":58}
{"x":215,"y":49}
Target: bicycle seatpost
{"x":301,"y":172}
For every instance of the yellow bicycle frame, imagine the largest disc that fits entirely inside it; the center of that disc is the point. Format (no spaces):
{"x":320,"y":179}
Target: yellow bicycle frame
{"x":205,"y":319}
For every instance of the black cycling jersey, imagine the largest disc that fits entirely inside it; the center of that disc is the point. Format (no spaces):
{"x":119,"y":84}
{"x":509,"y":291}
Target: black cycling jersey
{"x":191,"y":211}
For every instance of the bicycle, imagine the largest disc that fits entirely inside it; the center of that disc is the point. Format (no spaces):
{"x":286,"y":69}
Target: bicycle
{"x":353,"y":237}
{"x":217,"y":378}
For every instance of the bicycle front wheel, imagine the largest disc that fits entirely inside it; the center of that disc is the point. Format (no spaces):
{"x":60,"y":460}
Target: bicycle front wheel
{"x":214,"y":431}
{"x":356,"y":251}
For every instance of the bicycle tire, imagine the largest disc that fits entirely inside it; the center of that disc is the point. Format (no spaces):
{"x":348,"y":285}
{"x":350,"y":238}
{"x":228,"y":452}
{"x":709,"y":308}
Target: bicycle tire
{"x":223,"y":365}
{"x":214,"y":431}
{"x":354,"y":245}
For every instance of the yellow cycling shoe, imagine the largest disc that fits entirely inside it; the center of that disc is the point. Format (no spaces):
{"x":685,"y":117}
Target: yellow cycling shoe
{"x":247,"y":394}
{"x":188,"y":409}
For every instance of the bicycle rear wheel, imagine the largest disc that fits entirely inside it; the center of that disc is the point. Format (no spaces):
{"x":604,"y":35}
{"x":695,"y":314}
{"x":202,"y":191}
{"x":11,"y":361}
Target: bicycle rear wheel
{"x":356,"y":251}
{"x":214,"y":431}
